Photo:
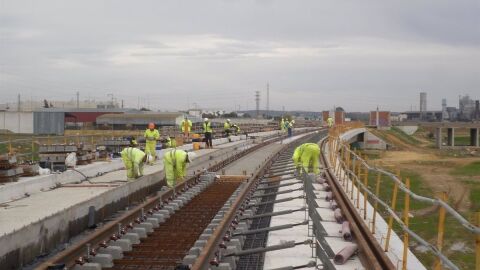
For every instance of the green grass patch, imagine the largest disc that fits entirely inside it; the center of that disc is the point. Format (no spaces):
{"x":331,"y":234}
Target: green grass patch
{"x":462,"y":140}
{"x":472,"y":169}
{"x":387,"y":185}
{"x":404,"y":136}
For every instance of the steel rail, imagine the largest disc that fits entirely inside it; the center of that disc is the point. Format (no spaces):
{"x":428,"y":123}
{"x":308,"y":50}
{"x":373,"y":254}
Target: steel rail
{"x":374,"y":253}
{"x":212,"y":245}
{"x":97,"y":238}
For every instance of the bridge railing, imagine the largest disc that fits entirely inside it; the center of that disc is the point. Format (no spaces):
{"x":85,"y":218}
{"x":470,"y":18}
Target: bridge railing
{"x":353,"y":171}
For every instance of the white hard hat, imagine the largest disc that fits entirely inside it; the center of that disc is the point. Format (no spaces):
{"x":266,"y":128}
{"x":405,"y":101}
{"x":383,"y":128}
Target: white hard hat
{"x":205,"y":119}
{"x":228,"y":120}
{"x":191,"y":156}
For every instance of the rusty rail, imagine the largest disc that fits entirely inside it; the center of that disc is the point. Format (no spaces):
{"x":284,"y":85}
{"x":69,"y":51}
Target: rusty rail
{"x":372,"y":251}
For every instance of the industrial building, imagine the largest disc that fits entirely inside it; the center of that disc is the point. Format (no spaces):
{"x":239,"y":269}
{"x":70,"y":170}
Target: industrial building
{"x":140,"y":120}
{"x":380,"y":119}
{"x":52,"y":121}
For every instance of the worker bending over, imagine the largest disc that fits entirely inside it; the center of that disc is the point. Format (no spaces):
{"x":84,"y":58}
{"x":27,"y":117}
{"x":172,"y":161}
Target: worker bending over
{"x":307,"y":156}
{"x":151,"y":137}
{"x":208,"y":131}
{"x":330,"y":121}
{"x":226,"y":128}
{"x":186,"y":127}
{"x":175,"y":165}
{"x":236,"y":129}
{"x":133,"y":159}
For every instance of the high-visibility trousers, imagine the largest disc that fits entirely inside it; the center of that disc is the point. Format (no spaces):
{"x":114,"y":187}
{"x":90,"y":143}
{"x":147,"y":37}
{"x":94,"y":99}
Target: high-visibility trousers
{"x":150,"y":149}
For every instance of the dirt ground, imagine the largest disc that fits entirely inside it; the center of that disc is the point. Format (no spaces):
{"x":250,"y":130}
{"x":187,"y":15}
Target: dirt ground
{"x":433,"y":168}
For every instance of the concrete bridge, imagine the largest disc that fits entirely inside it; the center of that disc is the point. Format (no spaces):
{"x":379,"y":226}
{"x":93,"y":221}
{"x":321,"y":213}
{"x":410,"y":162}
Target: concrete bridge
{"x":473,"y":127}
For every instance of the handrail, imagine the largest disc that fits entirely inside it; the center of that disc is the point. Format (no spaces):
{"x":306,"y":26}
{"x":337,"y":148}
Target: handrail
{"x":340,"y":144}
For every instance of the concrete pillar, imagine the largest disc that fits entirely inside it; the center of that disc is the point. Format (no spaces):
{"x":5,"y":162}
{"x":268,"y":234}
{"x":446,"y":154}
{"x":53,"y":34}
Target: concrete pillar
{"x":451,"y":137}
{"x":438,"y":138}
{"x":474,"y":137}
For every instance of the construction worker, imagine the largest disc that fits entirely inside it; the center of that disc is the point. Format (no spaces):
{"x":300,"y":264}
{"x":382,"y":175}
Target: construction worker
{"x":330,"y":122}
{"x":307,"y":156}
{"x":236,"y":129}
{"x":227,"y":129}
{"x":289,"y":125}
{"x":133,"y":159}
{"x":175,"y":165}
{"x":171,"y":142}
{"x":151,"y":136}
{"x":282,"y":125}
{"x":297,"y":154}
{"x":208,"y":131}
{"x":186,"y":127}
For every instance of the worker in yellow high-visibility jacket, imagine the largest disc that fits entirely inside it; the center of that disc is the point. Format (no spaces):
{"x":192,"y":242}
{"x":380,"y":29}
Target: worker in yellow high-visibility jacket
{"x":282,"y":125}
{"x":186,"y":127}
{"x":208,"y":131}
{"x":175,"y":165}
{"x":330,"y":122}
{"x":133,"y":159}
{"x":304,"y":156}
{"x":151,"y":137}
{"x":310,"y":158}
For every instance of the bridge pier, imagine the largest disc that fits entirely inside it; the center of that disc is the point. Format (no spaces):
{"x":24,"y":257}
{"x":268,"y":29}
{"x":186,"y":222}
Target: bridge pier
{"x":438,"y":137}
{"x":451,"y":137}
{"x":474,"y":137}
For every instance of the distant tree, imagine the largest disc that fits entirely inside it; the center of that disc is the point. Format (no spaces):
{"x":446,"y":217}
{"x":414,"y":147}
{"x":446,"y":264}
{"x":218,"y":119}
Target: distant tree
{"x":208,"y":115}
{"x":45,"y":103}
{"x":230,"y":115}
{"x":143,"y":109}
{"x":339,"y":109}
{"x":246,"y":115}
{"x":51,"y":105}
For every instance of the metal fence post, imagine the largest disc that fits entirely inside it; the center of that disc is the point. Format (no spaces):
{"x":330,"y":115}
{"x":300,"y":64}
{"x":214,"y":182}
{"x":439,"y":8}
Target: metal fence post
{"x":441,"y":229}
{"x":365,"y":194}
{"x":359,"y":173}
{"x":375,"y":205}
{"x":390,"y":219}
{"x":477,"y":244}
{"x":406,"y":211}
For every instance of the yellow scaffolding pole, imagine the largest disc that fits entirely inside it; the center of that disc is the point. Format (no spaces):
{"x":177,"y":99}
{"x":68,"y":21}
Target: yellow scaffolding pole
{"x":390,"y":219}
{"x":375,"y":205}
{"x":441,"y":229}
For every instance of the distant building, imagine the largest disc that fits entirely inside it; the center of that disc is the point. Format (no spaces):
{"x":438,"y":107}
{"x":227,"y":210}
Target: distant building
{"x":445,"y":115}
{"x":466,"y":107}
{"x":380,"y":119}
{"x":139,"y":120}
{"x":423,"y":104}
{"x":430,"y":116}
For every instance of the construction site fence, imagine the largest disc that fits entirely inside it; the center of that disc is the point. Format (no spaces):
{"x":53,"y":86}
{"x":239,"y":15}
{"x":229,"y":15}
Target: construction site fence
{"x":350,"y":167}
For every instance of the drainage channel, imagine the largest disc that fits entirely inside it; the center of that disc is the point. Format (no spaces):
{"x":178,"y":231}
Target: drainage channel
{"x":168,"y":244}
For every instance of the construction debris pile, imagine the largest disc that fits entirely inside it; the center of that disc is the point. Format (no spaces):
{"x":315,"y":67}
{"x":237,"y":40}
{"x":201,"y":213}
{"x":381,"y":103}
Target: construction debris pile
{"x":53,"y":156}
{"x":9,"y":169}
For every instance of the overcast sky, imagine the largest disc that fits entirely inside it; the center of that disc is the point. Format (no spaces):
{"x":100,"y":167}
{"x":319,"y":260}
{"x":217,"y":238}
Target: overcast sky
{"x":171,"y":54}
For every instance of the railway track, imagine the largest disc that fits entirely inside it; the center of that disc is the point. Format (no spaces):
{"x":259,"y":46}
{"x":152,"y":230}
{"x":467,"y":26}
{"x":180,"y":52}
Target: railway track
{"x":371,"y":253}
{"x":86,"y":250}
{"x":210,"y":224}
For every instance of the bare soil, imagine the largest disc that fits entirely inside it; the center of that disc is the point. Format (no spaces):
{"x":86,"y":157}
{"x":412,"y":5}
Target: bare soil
{"x":434,"y":169}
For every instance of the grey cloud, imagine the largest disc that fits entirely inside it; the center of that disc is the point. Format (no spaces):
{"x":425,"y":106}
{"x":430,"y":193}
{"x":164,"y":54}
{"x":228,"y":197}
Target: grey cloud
{"x":313,"y":53}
